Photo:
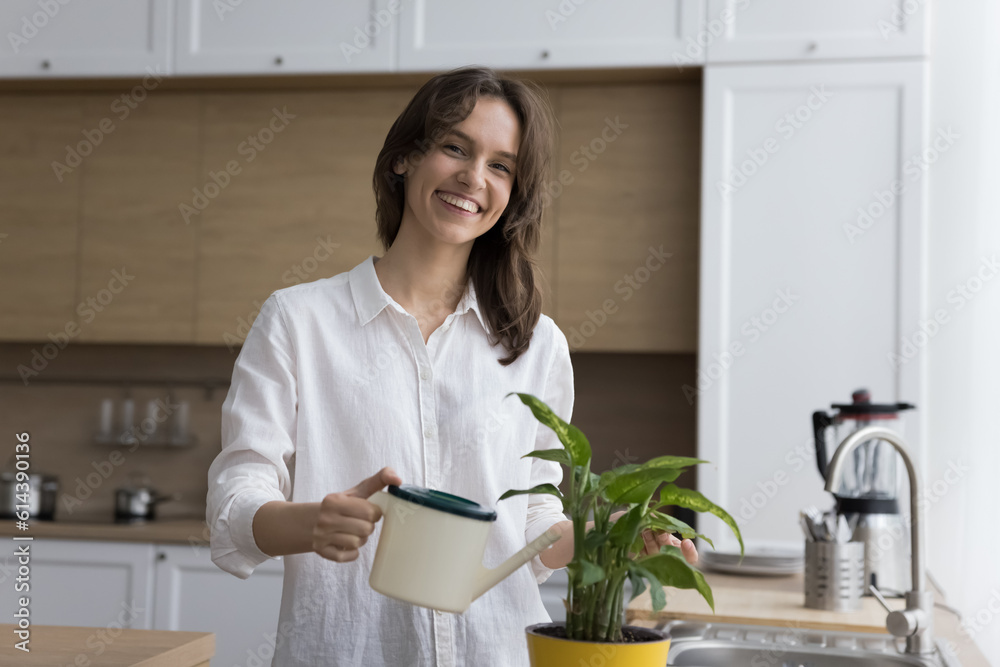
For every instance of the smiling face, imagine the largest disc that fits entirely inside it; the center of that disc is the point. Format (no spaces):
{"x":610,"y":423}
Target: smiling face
{"x":461,"y":186}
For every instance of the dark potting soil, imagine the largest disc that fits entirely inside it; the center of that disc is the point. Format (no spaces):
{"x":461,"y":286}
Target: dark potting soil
{"x":630,"y":634}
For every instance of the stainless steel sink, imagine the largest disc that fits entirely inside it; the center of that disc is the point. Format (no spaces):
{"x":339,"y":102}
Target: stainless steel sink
{"x":725,"y":645}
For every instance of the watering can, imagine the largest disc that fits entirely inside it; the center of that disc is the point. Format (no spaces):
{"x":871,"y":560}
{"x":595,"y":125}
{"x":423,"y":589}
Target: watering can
{"x":430,"y":552}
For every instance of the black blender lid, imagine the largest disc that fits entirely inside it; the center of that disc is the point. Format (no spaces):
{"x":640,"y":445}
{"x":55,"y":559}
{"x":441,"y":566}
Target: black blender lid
{"x":445,"y":502}
{"x":862,"y":405}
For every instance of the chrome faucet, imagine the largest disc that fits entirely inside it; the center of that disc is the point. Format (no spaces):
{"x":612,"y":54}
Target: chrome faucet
{"x":916,"y":622}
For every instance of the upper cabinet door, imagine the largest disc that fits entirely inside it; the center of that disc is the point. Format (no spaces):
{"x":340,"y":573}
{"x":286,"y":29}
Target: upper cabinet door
{"x":552,"y":35}
{"x":745,"y":31}
{"x":57,"y":38}
{"x":295,"y":36}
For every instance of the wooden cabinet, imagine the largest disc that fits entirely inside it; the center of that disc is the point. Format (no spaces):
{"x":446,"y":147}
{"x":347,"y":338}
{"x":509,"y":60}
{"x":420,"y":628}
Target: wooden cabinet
{"x":137,"y":253}
{"x":193,"y":594}
{"x":626,"y":205}
{"x":301,"y":211}
{"x":531,"y":35}
{"x":297,"y":36}
{"x":804,"y":30}
{"x":77,"y":582}
{"x":57,"y":38}
{"x":812,"y":266}
{"x":38,"y":235}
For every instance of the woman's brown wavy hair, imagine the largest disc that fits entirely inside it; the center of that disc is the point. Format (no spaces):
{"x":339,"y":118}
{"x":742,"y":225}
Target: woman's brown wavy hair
{"x":502,"y":262}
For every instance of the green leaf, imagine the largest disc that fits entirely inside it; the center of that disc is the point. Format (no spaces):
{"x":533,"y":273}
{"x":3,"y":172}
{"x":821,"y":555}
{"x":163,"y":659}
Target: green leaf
{"x":626,"y":528}
{"x":671,"y":569}
{"x":638,"y":584}
{"x":673,"y":495}
{"x":671,"y":462}
{"x":669,"y":524}
{"x":570,"y":436}
{"x":656,"y":593}
{"x":638,"y":486}
{"x":557,"y":455}
{"x":594,"y":539}
{"x":588,"y":573}
{"x":551,"y":489}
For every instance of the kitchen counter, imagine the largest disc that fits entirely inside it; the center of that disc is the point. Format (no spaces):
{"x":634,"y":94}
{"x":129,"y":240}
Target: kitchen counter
{"x":62,"y":645}
{"x":779,"y":601}
{"x":163,"y":531}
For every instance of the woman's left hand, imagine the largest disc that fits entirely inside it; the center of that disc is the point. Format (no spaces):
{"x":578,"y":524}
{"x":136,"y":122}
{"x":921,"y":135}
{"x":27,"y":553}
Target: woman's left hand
{"x":653,"y":540}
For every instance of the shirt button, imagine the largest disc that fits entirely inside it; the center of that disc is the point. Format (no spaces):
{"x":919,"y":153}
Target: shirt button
{"x":428,"y":432}
{"x":424,"y":375}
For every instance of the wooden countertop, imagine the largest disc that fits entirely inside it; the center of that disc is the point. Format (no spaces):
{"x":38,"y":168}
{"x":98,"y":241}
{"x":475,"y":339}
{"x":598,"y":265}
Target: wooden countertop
{"x":779,"y":601}
{"x":63,"y":645}
{"x":164,"y":531}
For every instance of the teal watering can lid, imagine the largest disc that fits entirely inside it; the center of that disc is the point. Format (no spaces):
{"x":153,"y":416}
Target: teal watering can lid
{"x":445,"y":502}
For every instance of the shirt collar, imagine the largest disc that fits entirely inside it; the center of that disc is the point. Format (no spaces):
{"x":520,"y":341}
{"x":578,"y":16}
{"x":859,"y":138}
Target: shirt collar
{"x":370,"y":299}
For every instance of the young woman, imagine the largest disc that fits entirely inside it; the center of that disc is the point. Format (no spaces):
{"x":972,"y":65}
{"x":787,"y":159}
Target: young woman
{"x":395,"y":372}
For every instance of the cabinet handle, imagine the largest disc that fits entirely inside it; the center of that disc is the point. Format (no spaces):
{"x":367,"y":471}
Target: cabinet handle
{"x":46,"y":64}
{"x":545,"y":54}
{"x":278,"y":60}
{"x":161,"y":556}
{"x":812,"y":46}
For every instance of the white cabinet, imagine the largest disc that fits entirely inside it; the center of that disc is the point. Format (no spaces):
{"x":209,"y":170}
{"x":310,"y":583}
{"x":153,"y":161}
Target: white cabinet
{"x":746,"y":31}
{"x":812,"y":271}
{"x":193,"y":594}
{"x":530,"y":35}
{"x":58,"y":38}
{"x":76,"y":582}
{"x":295,"y":36}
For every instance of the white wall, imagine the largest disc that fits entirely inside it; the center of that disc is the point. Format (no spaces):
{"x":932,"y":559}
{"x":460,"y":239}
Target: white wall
{"x":963,"y":400}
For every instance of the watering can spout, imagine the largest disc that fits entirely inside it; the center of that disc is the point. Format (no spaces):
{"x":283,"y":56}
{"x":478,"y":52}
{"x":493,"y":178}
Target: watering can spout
{"x":487,"y":578}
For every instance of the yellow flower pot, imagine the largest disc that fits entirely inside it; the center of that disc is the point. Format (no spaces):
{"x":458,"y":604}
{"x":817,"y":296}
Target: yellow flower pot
{"x":546,"y":651}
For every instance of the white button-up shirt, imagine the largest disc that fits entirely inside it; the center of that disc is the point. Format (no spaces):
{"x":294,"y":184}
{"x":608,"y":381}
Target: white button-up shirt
{"x":333,"y":383}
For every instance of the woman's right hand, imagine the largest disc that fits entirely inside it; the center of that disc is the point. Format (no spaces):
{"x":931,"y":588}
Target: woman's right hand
{"x":346,"y":519}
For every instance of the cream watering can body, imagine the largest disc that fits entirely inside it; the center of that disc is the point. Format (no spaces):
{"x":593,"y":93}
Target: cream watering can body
{"x":430,"y":552}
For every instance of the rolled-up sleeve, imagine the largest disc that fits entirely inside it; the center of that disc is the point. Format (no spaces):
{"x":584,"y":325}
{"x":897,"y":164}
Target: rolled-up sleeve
{"x":258,"y":442}
{"x":544,"y":510}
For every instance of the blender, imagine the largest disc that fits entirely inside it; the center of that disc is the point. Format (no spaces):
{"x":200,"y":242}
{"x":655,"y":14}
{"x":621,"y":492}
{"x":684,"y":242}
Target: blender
{"x":867,"y":495}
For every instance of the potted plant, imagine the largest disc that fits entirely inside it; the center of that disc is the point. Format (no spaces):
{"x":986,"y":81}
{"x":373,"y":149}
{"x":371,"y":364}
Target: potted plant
{"x":593,"y":632}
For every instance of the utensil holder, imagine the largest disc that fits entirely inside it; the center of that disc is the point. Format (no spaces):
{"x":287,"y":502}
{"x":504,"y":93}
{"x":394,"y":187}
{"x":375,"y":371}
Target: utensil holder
{"x":835,"y":575}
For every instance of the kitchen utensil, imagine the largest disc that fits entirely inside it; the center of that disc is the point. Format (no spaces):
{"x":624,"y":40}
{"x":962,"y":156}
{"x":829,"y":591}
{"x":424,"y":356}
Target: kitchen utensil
{"x":138,"y":500}
{"x":869,"y":487}
{"x":42,"y":493}
{"x":835,"y":575}
{"x":430,"y":551}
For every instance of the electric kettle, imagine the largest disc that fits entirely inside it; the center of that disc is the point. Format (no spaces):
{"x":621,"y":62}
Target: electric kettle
{"x":430,"y":552}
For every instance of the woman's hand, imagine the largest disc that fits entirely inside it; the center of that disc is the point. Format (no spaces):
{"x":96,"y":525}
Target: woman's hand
{"x":653,"y":540}
{"x":346,"y":519}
